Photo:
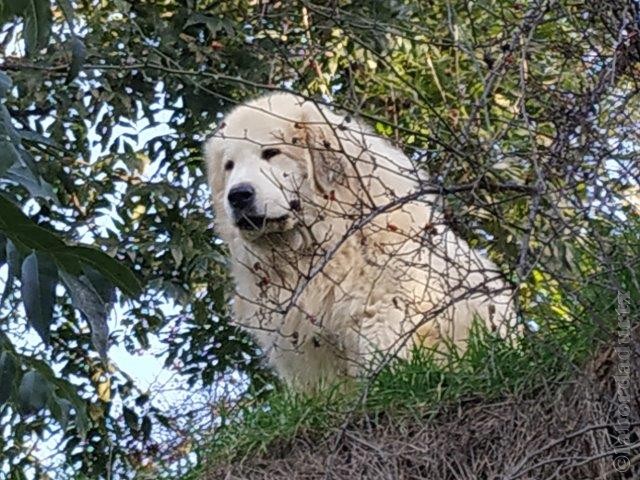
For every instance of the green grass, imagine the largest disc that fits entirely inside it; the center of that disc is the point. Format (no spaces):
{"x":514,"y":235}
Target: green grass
{"x":490,"y":369}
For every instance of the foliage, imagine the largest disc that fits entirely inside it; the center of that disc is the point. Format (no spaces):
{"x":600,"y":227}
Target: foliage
{"x":532,"y":107}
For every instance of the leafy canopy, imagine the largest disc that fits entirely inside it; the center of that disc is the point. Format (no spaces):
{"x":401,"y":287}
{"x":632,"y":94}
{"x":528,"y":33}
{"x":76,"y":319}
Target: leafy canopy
{"x":532,"y":106}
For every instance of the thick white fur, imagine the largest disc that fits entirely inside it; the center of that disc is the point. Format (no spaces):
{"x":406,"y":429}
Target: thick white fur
{"x":359,"y":269}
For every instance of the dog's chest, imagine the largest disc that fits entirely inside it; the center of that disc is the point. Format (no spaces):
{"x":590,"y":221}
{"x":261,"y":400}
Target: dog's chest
{"x":304,"y":296}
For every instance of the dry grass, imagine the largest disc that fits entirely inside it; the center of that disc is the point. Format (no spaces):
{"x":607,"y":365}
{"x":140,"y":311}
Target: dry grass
{"x":560,"y":430}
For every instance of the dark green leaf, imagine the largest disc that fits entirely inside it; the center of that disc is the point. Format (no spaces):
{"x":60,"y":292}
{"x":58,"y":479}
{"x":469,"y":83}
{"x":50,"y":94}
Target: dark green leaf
{"x":3,"y":260}
{"x":36,"y":186}
{"x":39,"y":279}
{"x":5,"y":84}
{"x":61,"y":410}
{"x":78,"y":56}
{"x":7,"y":376}
{"x":20,"y":228}
{"x":7,"y":129}
{"x":65,"y":390}
{"x":3,"y":249}
{"x":102,"y":286}
{"x":9,"y":156}
{"x":14,"y":260}
{"x":13,"y":256}
{"x":164,"y":421}
{"x":114,"y":271}
{"x":37,"y":25}
{"x":86,"y":299}
{"x":142,"y":400}
{"x":214,"y":25}
{"x":33,"y":392}
{"x":66,"y":407}
{"x":36,"y":137}
{"x":146,"y":428}
{"x":130,"y":418}
{"x":10,"y":8}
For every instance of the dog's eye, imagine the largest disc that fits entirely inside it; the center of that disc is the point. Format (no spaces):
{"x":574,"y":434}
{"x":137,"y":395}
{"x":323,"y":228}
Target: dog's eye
{"x":229,"y":165}
{"x":268,"y":153}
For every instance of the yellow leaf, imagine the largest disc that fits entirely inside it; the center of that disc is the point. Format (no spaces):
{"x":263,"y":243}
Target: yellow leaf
{"x":104,"y":390}
{"x":96,"y":412}
{"x":143,"y":161}
{"x":538,"y":276}
{"x":138,"y":211}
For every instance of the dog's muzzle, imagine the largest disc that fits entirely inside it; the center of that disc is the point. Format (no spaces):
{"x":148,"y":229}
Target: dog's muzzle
{"x":242,"y":198}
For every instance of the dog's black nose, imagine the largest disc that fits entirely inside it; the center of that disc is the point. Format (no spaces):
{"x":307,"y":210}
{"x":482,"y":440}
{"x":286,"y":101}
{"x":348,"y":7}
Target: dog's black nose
{"x":241,"y":196}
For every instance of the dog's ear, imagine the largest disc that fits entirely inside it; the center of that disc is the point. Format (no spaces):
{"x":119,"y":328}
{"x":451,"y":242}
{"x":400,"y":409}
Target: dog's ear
{"x":212,"y":154}
{"x":327,"y":160}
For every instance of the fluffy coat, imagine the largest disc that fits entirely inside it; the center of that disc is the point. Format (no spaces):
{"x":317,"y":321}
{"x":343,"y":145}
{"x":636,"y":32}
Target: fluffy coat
{"x":351,"y":259}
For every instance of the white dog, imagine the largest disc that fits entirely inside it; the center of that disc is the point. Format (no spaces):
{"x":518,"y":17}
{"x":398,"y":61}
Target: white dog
{"x":337,"y":253}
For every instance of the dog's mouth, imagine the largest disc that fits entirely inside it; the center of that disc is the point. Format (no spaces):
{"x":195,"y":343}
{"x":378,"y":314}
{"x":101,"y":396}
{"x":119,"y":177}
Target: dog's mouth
{"x":258,"y":222}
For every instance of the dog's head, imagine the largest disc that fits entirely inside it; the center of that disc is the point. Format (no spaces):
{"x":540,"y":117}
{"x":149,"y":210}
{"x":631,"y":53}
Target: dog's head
{"x":271,"y":165}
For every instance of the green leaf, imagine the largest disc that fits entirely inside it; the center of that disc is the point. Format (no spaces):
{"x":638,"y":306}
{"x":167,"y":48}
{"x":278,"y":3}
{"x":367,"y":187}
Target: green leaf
{"x":7,"y":376}
{"x":33,"y":392}
{"x":5,"y":84}
{"x":37,"y":25}
{"x":6,"y":127}
{"x":86,"y":299}
{"x":14,"y":260}
{"x":78,"y":56}
{"x":36,"y":186}
{"x":61,"y":410}
{"x":114,"y":271}
{"x":130,"y":418}
{"x":9,"y":156}
{"x":24,"y":231}
{"x":67,"y":9}
{"x":39,"y":279}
